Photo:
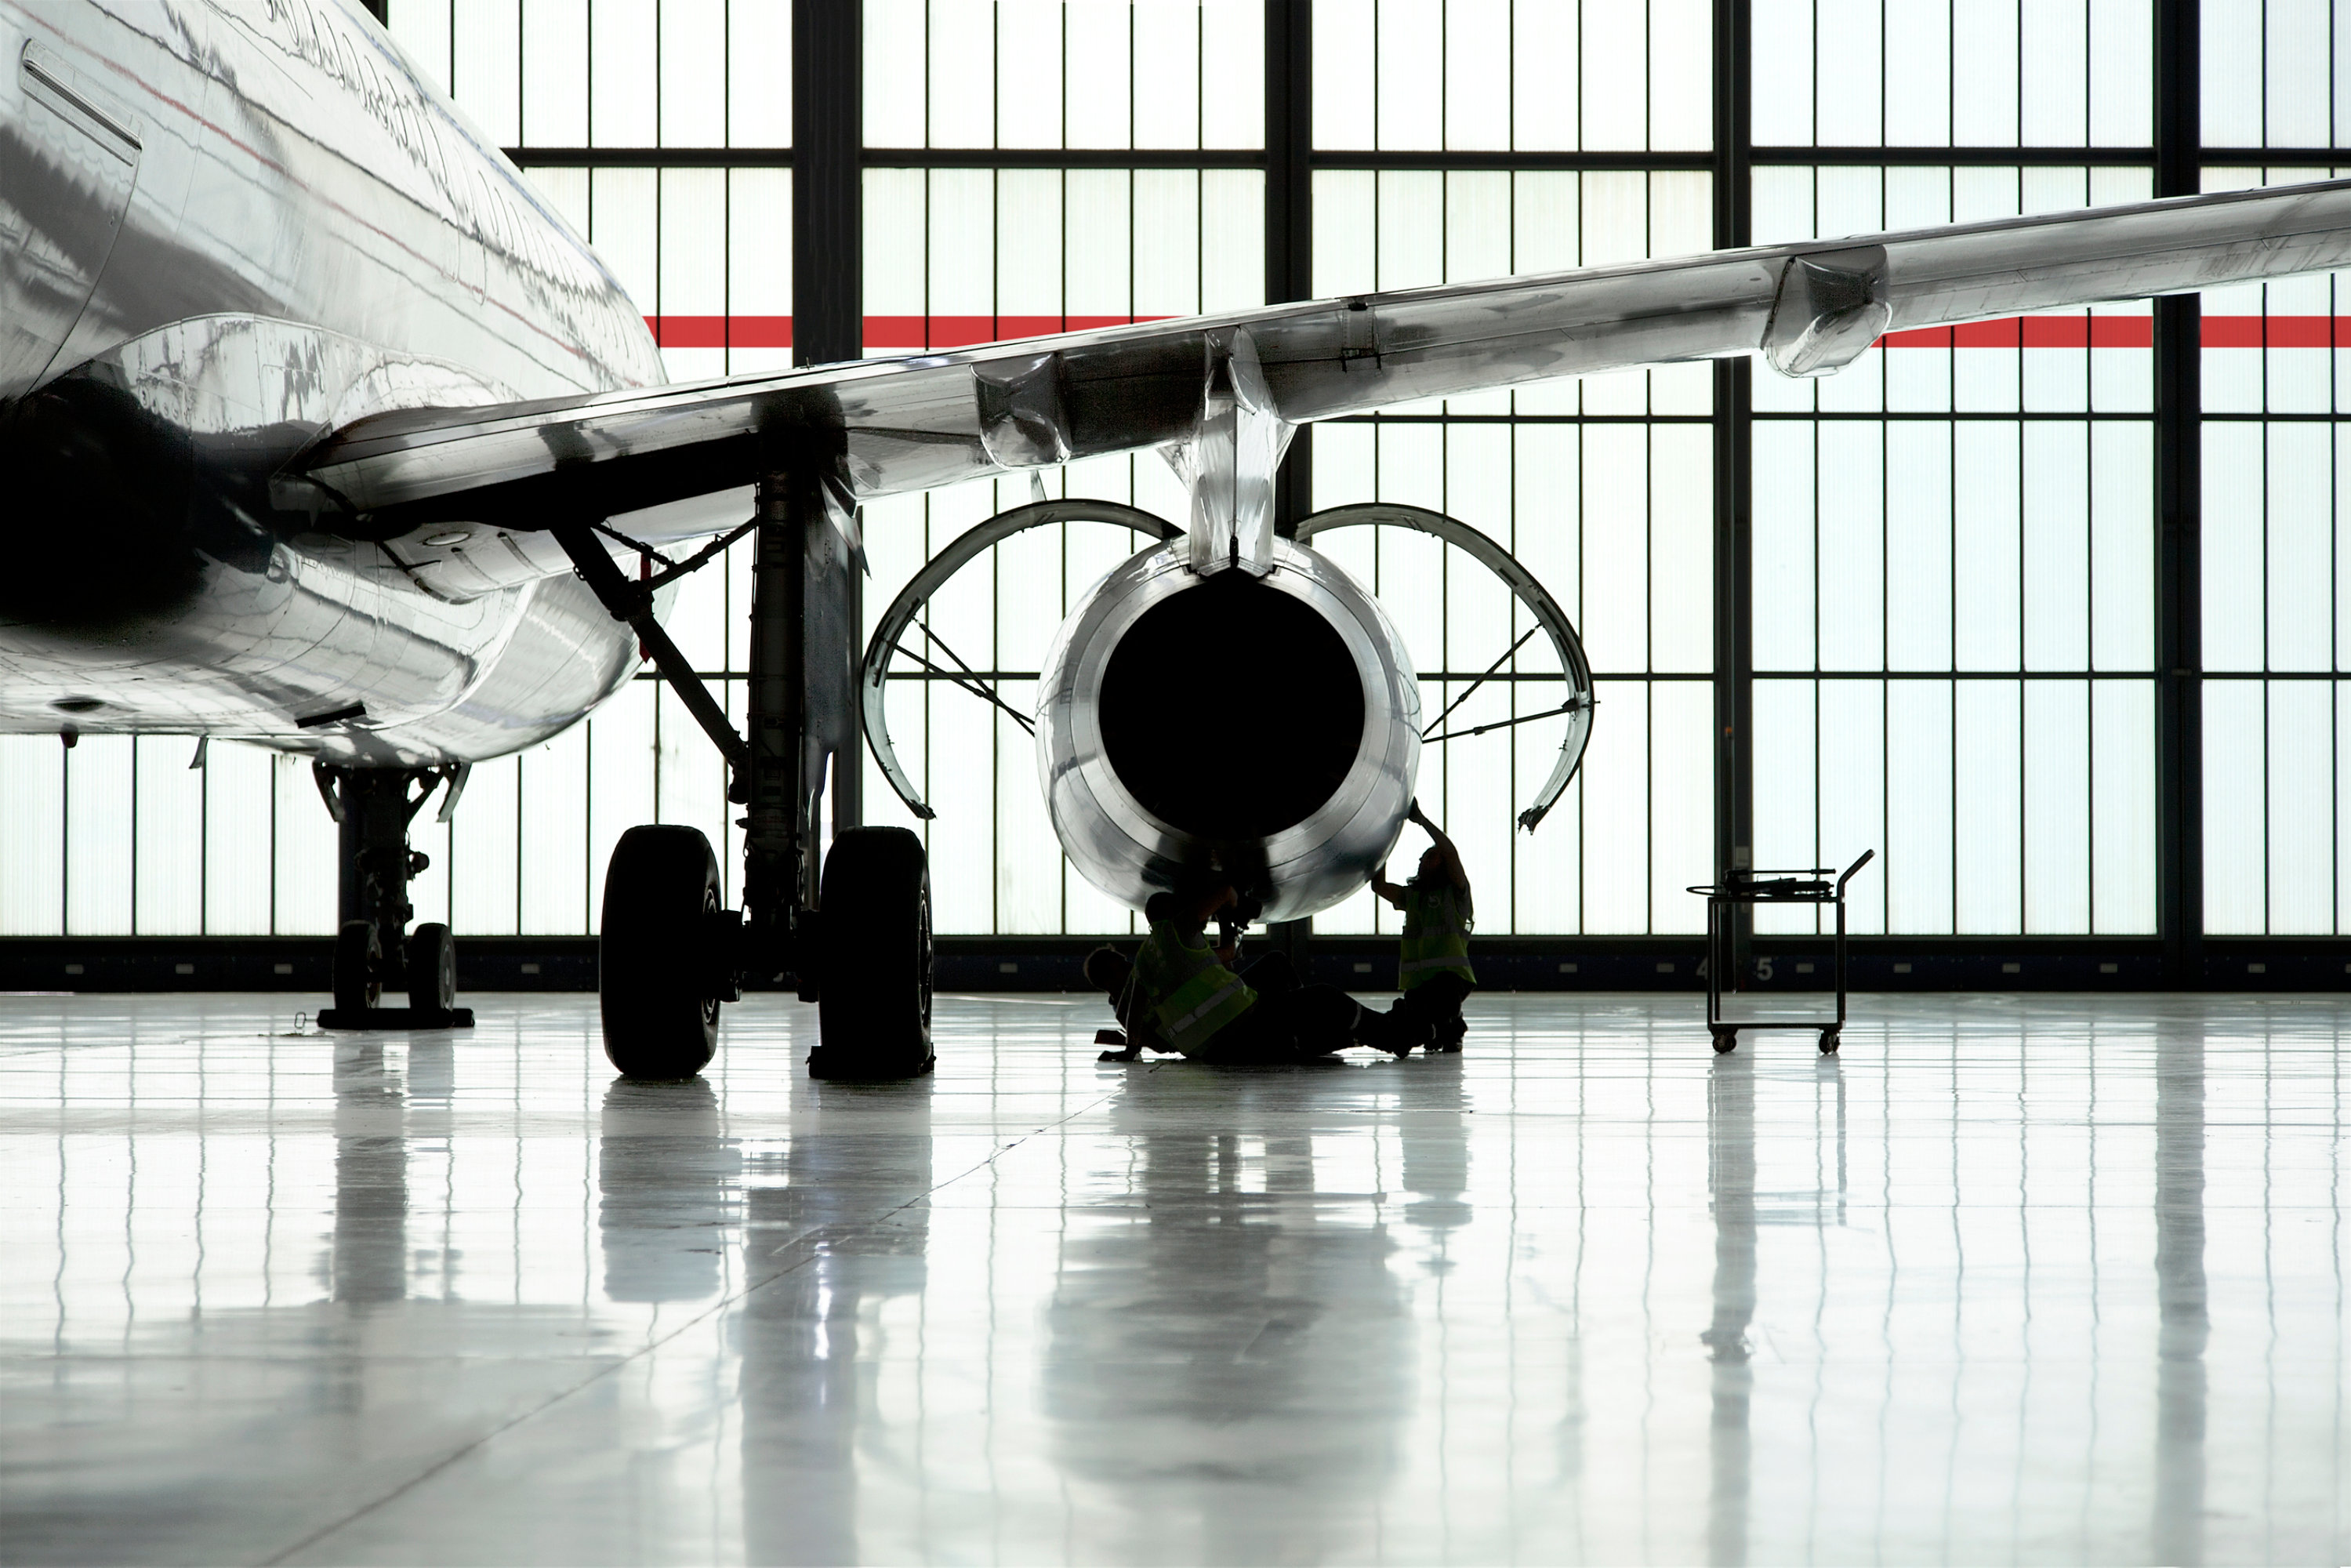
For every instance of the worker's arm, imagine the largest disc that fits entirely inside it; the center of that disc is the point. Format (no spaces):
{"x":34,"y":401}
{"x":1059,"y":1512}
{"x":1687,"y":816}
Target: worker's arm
{"x":1382,"y":888}
{"x":1204,"y":908}
{"x":1205,"y":905}
{"x":1454,"y":871}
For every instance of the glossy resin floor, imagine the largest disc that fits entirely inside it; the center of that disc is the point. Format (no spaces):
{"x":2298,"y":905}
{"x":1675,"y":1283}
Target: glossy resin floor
{"x":2044,"y":1279}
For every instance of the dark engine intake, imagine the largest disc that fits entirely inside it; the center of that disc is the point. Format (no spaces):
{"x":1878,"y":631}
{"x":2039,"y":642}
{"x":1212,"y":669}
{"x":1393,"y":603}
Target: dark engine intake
{"x":1261,"y":731}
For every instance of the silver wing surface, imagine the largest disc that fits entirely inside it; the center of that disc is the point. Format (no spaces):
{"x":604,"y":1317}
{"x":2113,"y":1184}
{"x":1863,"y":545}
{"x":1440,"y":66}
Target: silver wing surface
{"x":908,"y":425}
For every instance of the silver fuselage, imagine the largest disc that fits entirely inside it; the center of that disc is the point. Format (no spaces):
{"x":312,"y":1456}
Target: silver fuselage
{"x":226,"y":229}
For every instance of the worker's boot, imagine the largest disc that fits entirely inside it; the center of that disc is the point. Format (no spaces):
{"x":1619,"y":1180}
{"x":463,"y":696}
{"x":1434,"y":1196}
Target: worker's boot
{"x":1395,"y":1031}
{"x":1448,"y":1037}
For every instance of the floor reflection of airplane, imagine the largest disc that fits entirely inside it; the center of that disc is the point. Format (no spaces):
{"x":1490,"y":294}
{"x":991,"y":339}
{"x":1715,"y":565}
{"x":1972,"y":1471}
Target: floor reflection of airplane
{"x":324,"y":431}
{"x":808,"y":1339}
{"x":369,"y":1260}
{"x":1226,"y":1325}
{"x":666,"y":1180}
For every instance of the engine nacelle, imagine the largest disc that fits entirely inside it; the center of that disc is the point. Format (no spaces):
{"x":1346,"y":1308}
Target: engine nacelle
{"x":1264,"y":731}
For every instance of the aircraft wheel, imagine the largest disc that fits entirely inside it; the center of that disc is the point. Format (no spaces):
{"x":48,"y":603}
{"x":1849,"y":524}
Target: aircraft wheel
{"x":432,"y":968}
{"x":359,"y":967}
{"x":659,"y":892}
{"x":873,"y":1011}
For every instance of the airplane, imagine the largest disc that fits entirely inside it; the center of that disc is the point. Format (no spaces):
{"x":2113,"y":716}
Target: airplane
{"x":326,"y":432}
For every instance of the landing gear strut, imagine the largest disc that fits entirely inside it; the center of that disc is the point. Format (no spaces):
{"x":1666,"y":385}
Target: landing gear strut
{"x":375,"y":952}
{"x":851,"y":930}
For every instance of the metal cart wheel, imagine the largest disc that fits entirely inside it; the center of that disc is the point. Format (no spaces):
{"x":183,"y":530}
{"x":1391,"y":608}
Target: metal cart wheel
{"x":1828,"y":1042}
{"x":1726,"y":1040}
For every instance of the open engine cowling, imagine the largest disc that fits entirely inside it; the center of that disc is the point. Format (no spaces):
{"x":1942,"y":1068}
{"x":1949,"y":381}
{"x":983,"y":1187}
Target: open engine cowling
{"x":1264,"y":731}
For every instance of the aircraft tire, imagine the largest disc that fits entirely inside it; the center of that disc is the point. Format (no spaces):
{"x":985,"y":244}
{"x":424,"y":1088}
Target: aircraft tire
{"x":874,"y":1012}
{"x":432,"y":968}
{"x":358,"y":973}
{"x":662,"y":883}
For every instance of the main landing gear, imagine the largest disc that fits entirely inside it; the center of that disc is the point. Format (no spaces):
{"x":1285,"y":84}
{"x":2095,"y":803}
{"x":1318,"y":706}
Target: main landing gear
{"x":375,"y":952}
{"x":874,"y":1012}
{"x":668,"y":953}
{"x":671,"y":956}
{"x":851,"y":929}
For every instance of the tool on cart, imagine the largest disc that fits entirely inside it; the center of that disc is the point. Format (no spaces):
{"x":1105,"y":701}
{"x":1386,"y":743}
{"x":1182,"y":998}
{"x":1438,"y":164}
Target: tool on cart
{"x":1807,"y":884}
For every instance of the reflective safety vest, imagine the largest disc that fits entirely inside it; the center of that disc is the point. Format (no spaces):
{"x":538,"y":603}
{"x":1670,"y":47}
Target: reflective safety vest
{"x":1188,"y":993}
{"x":1435,"y":935}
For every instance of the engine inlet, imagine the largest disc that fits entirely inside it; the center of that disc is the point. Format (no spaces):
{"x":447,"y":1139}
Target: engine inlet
{"x":1232,"y":710}
{"x":1259,"y":731}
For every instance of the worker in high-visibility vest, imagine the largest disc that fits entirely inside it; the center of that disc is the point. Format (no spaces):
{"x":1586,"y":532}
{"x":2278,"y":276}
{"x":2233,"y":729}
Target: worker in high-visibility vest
{"x":1182,"y":995}
{"x":1111,"y":972}
{"x":1433,"y":961}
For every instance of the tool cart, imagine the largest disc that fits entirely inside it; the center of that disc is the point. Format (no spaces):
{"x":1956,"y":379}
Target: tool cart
{"x":1802,"y":885}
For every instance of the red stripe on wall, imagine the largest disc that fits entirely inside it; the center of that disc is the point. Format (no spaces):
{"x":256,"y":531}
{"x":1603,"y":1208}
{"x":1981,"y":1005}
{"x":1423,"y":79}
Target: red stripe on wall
{"x":2127,"y":332}
{"x":2277,"y":331}
{"x":2032,"y":332}
{"x":881,"y":331}
{"x":721,"y":332}
{"x":2014,"y":331}
{"x":961,"y":331}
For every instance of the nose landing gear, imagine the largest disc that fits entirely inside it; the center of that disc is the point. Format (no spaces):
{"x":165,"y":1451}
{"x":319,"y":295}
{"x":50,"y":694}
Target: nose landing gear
{"x":374,"y":949}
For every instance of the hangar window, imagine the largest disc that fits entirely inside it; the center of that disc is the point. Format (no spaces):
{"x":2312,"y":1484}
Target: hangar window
{"x":1954,"y":556}
{"x":2276,"y":604}
{"x":1601,"y":487}
{"x":1958,"y":614}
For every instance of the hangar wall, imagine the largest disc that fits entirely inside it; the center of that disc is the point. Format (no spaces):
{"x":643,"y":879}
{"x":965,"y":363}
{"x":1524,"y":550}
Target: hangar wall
{"x":1956,"y":603}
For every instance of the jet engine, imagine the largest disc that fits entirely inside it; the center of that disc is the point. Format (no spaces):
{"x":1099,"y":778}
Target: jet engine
{"x":1259,"y":729}
{"x":1264,"y":731}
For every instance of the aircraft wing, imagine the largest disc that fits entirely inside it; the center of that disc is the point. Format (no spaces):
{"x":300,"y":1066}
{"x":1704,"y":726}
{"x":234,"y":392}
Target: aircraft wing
{"x":913,"y":423}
